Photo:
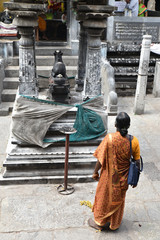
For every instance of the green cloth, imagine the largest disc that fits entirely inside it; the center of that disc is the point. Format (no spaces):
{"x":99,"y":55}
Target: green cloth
{"x":88,"y":124}
{"x":142,"y":10}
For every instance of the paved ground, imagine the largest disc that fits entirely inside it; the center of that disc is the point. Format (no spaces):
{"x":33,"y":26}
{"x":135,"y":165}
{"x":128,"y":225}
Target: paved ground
{"x":38,"y":212}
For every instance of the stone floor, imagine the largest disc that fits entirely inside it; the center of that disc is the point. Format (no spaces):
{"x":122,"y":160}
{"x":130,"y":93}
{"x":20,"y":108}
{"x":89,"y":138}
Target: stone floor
{"x":38,"y":212}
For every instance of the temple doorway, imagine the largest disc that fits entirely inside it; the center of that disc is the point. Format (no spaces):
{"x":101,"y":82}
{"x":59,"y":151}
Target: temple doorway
{"x":157,"y":7}
{"x":52,"y":26}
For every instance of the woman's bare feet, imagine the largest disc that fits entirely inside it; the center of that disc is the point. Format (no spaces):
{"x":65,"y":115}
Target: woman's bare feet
{"x":92,"y":224}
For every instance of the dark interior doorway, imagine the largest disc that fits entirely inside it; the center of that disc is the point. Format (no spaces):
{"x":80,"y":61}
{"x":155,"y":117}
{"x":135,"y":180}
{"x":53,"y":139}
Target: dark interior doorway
{"x":157,"y":7}
{"x":52,"y":26}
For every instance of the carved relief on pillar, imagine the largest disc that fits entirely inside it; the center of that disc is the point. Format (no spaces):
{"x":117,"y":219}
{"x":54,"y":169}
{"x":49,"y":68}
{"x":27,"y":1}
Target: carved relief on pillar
{"x":93,"y":81}
{"x":93,"y":66}
{"x":27,"y":64}
{"x":82,"y":58}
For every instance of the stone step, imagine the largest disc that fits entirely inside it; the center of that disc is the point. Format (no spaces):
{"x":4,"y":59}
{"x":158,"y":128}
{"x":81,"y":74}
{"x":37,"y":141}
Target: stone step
{"x":57,"y":163}
{"x":10,"y":83}
{"x":8,"y":95}
{"x":49,"y":60}
{"x":46,"y":172}
{"x":131,"y":85}
{"x":56,"y":140}
{"x":13,"y":71}
{"x":6,"y":108}
{"x":45,"y":179}
{"x":53,"y":158}
{"x":49,"y":50}
{"x":129,"y":92}
{"x":54,"y":151}
{"x":25,"y":166}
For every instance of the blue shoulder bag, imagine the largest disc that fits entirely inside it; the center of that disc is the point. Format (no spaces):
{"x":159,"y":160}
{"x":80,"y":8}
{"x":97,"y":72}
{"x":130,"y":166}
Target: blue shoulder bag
{"x":134,"y":170}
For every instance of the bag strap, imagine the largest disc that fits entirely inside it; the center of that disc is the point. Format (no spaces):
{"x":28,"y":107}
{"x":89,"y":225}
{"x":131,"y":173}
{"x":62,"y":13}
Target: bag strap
{"x":130,"y":144}
{"x":141,"y":161}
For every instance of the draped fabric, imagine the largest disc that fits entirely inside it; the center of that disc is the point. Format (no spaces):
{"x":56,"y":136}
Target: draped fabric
{"x":113,"y":153}
{"x":32,"y":118}
{"x":142,"y":10}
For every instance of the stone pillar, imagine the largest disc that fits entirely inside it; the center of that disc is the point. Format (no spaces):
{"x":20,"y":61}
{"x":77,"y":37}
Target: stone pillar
{"x":27,"y":64}
{"x":142,"y":75}
{"x":73,"y":33}
{"x":92,"y":84}
{"x":25,"y":12}
{"x":82,"y":58}
{"x":2,"y":76}
{"x":94,"y":16}
{"x":156,"y":83}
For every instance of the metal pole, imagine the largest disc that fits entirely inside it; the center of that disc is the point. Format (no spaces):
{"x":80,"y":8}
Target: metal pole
{"x":66,"y":161}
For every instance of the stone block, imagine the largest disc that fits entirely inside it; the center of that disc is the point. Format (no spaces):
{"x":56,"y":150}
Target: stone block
{"x":2,"y":75}
{"x":127,"y":29}
{"x":156,"y":83}
{"x":108,"y":86}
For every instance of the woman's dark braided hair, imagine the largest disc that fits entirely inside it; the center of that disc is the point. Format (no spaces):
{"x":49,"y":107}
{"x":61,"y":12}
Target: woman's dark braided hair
{"x":122,"y":123}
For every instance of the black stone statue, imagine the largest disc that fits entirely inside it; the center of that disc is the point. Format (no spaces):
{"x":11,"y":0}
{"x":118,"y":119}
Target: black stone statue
{"x":59,"y":66}
{"x":59,"y":87}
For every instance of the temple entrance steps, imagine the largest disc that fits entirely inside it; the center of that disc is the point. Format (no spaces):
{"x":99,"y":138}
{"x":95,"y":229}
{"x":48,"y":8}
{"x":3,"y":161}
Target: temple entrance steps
{"x":126,"y":64}
{"x":44,"y":62}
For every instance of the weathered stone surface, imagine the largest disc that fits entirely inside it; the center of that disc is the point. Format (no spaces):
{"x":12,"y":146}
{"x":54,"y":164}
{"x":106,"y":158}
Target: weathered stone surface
{"x":2,"y":76}
{"x":27,"y":235}
{"x":108,"y":86}
{"x":142,"y":75}
{"x":156,"y":83}
{"x":127,"y":29}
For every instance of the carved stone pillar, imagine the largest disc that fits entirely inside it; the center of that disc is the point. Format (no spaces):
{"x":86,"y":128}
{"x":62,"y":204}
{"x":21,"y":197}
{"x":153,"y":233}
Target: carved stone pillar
{"x":82,"y":58}
{"x":93,"y":16}
{"x":92,"y":84}
{"x":26,"y":12}
{"x":27,"y":63}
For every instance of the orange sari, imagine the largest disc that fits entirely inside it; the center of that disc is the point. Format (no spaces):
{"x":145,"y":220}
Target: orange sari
{"x":113,"y":153}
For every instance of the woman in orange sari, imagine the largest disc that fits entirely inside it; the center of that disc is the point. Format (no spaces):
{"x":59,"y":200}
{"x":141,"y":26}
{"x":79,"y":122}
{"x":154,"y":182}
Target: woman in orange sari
{"x":113,"y":156}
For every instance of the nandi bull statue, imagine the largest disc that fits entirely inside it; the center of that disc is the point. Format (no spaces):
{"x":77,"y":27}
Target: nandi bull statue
{"x":59,"y":87}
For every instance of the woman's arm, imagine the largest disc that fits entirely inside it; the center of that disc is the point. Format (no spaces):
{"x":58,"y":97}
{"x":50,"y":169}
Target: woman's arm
{"x":95,"y":175}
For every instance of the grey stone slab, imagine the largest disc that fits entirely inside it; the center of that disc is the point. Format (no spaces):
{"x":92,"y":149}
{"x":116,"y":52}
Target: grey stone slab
{"x":126,"y":29}
{"x":152,"y":171}
{"x":40,"y":235}
{"x":153,"y":209}
{"x":144,"y":230}
{"x":156,"y":186}
{"x":91,"y":234}
{"x":135,"y":212}
{"x":30,"y":211}
{"x":143,"y":192}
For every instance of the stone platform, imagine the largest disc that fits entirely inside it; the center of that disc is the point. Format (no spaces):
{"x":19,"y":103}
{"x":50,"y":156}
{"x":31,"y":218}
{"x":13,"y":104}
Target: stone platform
{"x":26,"y":163}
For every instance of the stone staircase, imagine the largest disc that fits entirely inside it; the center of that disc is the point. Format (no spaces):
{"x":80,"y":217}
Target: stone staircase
{"x":126,"y":63}
{"x":44,"y":61}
